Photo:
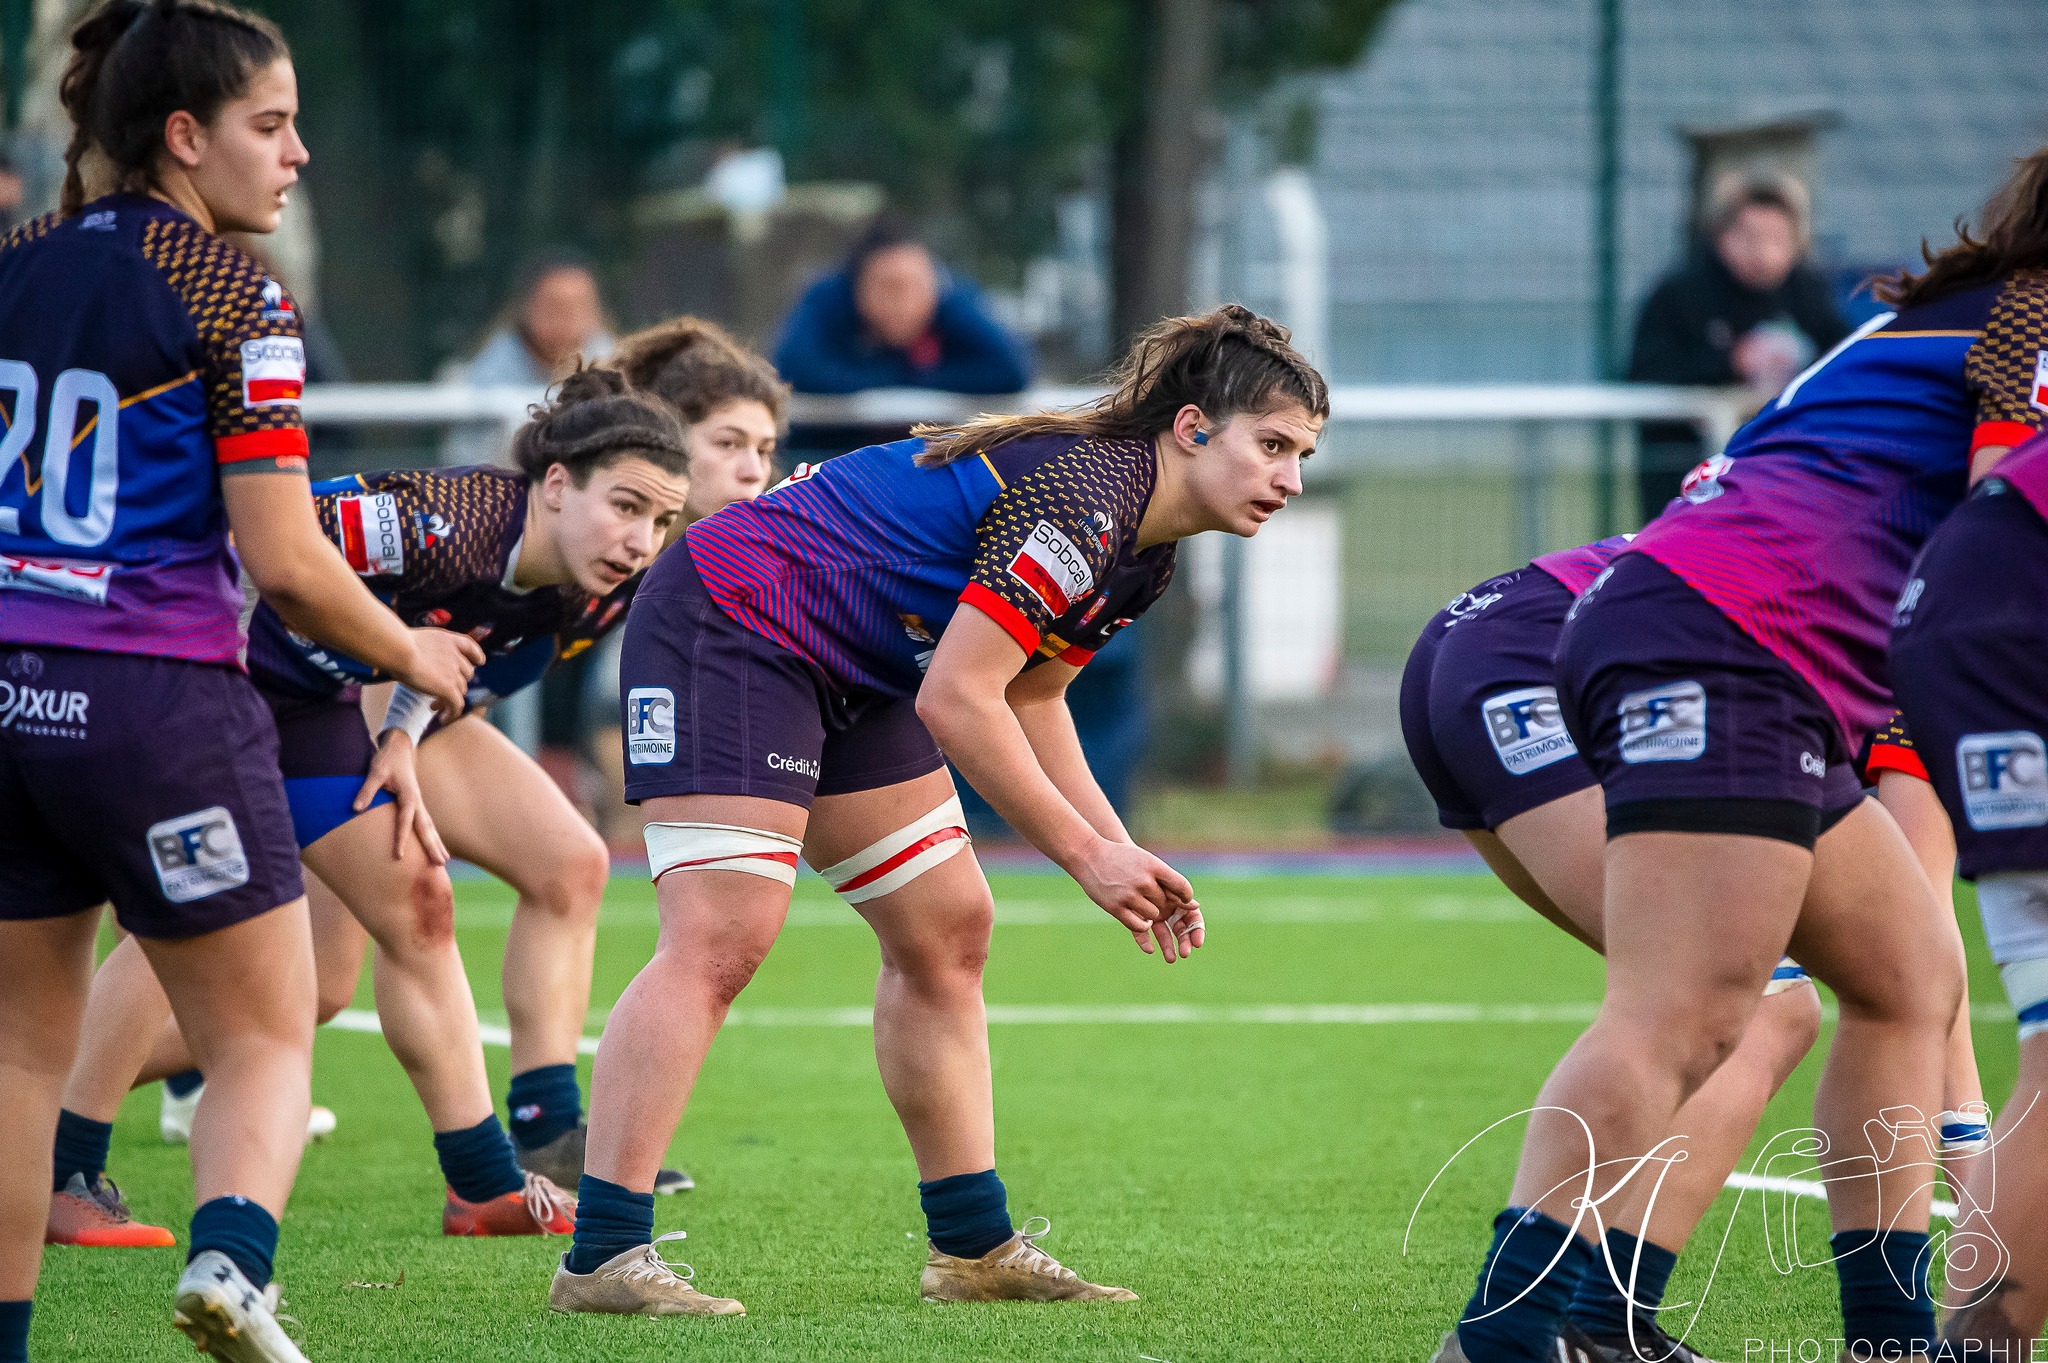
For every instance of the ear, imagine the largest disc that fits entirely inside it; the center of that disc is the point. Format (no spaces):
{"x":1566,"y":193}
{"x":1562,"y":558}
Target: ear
{"x":554,"y":485}
{"x":185,"y":139}
{"x":1190,"y":429}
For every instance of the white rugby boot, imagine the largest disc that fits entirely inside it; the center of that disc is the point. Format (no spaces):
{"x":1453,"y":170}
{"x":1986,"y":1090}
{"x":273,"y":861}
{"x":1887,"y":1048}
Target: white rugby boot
{"x":174,"y":1118}
{"x":223,"y":1314}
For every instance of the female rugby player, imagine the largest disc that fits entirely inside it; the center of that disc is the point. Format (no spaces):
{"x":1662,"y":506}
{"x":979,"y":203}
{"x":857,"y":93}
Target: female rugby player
{"x":510,"y":559}
{"x":1480,"y":717}
{"x":789,"y":683}
{"x":1711,"y":676}
{"x":152,"y":376}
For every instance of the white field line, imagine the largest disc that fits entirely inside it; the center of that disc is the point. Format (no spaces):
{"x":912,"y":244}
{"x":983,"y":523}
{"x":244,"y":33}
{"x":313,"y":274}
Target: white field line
{"x":1343,"y":1014}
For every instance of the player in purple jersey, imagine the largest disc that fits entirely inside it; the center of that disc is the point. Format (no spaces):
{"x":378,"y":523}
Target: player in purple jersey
{"x":1712,"y":676}
{"x":1970,"y":659}
{"x":789,"y":684}
{"x":154,"y":783}
{"x":512,"y":560}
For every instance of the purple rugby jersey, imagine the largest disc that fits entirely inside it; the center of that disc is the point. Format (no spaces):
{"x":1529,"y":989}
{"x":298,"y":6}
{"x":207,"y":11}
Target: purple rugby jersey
{"x":1804,"y":530}
{"x":1576,"y":568}
{"x":151,"y":357}
{"x":2025,"y":471}
{"x":858,"y":563}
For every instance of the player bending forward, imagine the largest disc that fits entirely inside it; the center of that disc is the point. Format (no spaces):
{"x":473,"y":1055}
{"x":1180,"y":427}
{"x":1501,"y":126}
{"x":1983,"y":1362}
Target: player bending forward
{"x":789,"y":684}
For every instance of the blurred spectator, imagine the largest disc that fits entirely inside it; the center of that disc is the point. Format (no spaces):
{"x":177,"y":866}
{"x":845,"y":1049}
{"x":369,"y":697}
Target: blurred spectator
{"x":1748,"y":308}
{"x":555,"y":317}
{"x":892,"y":317}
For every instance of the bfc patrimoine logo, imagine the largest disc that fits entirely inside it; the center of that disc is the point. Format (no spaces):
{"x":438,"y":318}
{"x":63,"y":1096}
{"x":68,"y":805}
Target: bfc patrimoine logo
{"x":650,"y":726}
{"x":1527,"y":729}
{"x":1664,"y":724}
{"x":2004,"y":779}
{"x":198,"y":854}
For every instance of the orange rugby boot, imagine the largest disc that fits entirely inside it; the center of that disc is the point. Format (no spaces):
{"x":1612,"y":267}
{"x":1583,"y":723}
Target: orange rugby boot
{"x":540,"y":1208}
{"x":96,"y":1216}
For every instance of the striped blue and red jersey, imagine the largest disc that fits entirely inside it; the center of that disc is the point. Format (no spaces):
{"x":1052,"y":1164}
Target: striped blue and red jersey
{"x":859,"y":563}
{"x":1803,"y":531}
{"x":141,"y":357}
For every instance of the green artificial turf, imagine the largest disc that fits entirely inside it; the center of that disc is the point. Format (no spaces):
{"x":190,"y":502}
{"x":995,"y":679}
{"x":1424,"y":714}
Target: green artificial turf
{"x":1251,"y":1180}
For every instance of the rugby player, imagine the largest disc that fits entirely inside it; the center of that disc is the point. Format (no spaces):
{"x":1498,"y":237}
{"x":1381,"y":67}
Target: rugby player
{"x":151,"y":377}
{"x":1711,"y":676}
{"x":790,"y":682}
{"x":510,"y":559}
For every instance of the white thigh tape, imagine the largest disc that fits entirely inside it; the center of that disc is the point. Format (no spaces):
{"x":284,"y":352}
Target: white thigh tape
{"x":720,"y":847}
{"x":2026,"y":984}
{"x":2015,"y":909}
{"x":1788,"y":975}
{"x":902,"y":857}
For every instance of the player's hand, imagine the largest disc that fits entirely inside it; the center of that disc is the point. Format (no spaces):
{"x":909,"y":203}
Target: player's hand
{"x":392,"y":769}
{"x":1143,"y":893}
{"x":442,"y":664}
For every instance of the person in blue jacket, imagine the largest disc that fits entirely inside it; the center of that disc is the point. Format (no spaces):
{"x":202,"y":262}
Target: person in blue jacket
{"x":893,"y":317}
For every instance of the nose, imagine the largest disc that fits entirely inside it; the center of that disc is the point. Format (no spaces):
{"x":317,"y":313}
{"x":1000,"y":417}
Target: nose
{"x":1290,"y":476}
{"x":641,"y":539}
{"x":295,"y":152}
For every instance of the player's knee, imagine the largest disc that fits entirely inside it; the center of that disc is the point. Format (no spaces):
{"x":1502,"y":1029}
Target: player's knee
{"x":952,"y":954}
{"x":572,"y":887}
{"x":724,"y":973}
{"x":1786,"y":1026}
{"x":332,"y":999}
{"x":430,"y":910}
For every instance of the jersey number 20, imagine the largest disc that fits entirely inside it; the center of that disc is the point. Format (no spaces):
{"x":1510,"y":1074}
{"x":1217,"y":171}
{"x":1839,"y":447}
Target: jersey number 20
{"x":94,"y":521}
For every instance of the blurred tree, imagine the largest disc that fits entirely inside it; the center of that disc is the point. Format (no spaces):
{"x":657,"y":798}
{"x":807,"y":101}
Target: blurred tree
{"x":453,"y":137}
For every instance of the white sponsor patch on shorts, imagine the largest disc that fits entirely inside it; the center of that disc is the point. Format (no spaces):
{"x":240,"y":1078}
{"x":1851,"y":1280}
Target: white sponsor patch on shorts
{"x":1527,"y":729}
{"x":196,"y":855}
{"x":273,"y":371}
{"x":650,"y":726}
{"x":2004,"y":778}
{"x":1664,"y":724}
{"x":1053,"y":567}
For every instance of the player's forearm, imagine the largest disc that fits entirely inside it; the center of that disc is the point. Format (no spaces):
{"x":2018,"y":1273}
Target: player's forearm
{"x":982,"y":737}
{"x":1049,"y":727}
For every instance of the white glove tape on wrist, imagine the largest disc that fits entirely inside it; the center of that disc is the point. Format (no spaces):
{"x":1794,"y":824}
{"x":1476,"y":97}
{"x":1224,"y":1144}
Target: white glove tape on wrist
{"x":720,"y":847}
{"x":893,"y":862}
{"x":409,"y":711}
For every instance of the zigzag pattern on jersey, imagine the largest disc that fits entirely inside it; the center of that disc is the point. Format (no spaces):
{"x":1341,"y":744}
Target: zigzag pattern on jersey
{"x":1894,"y":733}
{"x":2002,"y":365}
{"x":35,"y":228}
{"x":483,"y":509}
{"x":222,"y":289}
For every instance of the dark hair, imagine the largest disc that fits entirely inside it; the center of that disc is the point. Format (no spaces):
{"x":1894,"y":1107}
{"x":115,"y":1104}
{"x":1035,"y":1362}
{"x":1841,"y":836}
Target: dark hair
{"x":595,"y":420}
{"x":2015,"y":238}
{"x":696,"y":367}
{"x":134,"y":63}
{"x":1226,"y":362}
{"x":1778,"y":193}
{"x":886,"y":231}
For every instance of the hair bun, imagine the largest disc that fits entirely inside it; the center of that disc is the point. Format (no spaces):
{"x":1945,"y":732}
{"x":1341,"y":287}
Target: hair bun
{"x":587,"y":383}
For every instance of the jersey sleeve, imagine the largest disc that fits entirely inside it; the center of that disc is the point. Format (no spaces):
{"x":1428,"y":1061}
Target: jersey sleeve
{"x":1047,"y":540}
{"x":255,"y":368}
{"x":1078,"y":641}
{"x":421,"y":531}
{"x":372,"y":519}
{"x":2007,"y":368}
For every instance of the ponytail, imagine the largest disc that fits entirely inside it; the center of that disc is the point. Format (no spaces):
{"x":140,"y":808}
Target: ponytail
{"x":1228,"y":361}
{"x":595,"y":420}
{"x":134,"y":63}
{"x":696,"y":367}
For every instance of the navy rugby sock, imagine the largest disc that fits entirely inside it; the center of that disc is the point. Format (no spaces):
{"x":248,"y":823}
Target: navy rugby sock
{"x":1879,"y":1320}
{"x":609,"y":1221}
{"x":239,"y":1229}
{"x":1599,"y":1308}
{"x":183,"y":1082}
{"x":966,"y":1215}
{"x":545,"y":1104}
{"x":14,"y":1331}
{"x":81,"y":1148}
{"x":478,"y":1161}
{"x":1518,"y":1266}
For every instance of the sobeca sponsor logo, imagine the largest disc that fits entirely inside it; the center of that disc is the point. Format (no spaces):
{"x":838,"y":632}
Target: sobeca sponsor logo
{"x":1664,"y":724}
{"x":1527,"y":729}
{"x":2004,"y":779}
{"x":650,"y":726}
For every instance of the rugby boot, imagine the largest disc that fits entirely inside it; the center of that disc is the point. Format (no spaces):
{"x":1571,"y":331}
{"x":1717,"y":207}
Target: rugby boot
{"x":638,"y":1282}
{"x":174,"y":1118}
{"x":1449,"y":1350}
{"x":94,"y":1215}
{"x":540,"y":1208}
{"x":1984,"y":1330}
{"x":1016,"y":1270}
{"x":222,"y":1313}
{"x":1651,"y":1345}
{"x":561,"y":1159}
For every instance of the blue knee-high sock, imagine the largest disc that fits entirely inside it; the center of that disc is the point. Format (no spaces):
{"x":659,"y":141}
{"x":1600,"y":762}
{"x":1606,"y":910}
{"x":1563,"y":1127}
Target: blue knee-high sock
{"x":545,"y":1104}
{"x":966,"y":1215}
{"x":478,"y":1161}
{"x":14,"y":1331}
{"x":183,"y":1082}
{"x":609,"y":1221}
{"x":1877,"y":1312}
{"x":239,"y":1229}
{"x":1599,"y":1308}
{"x":81,"y":1148}
{"x":1519,"y":1265}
